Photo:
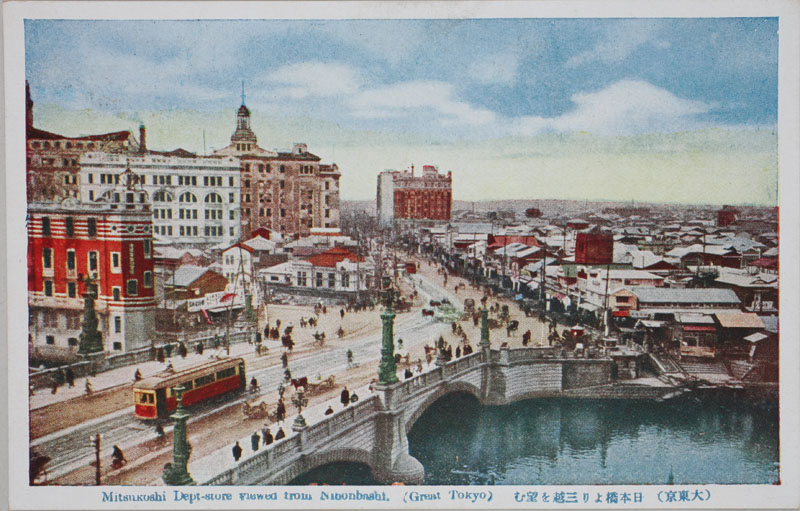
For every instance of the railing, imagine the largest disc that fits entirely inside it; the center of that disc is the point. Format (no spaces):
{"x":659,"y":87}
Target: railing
{"x":520,"y":354}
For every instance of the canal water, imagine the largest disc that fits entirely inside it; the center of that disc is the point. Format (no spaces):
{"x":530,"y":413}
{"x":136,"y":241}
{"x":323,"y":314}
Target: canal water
{"x":569,"y":441}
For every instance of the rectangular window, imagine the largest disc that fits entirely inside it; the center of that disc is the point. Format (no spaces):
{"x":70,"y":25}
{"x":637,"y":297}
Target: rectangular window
{"x":205,"y":180}
{"x":102,"y":179}
{"x":117,"y":325}
{"x":230,"y":181}
{"x":71,"y":291}
{"x":70,"y":259}
{"x":232,"y":231}
{"x":45,"y":226}
{"x":282,"y":184}
{"x":91,"y":226}
{"x":131,"y":259}
{"x":117,"y":293}
{"x":283,"y":212}
{"x":181,"y":230}
{"x":319,"y":280}
{"x":47,"y":258}
{"x":50,"y":339}
{"x":115,"y":267}
{"x":148,"y":248}
{"x":133,"y":287}
{"x":117,"y":346}
{"x":48,"y":288}
{"x":331,"y":280}
{"x":90,"y":177}
{"x":345,"y":280}
{"x":91,"y":194}
{"x":232,"y":198}
{"x":92,"y":261}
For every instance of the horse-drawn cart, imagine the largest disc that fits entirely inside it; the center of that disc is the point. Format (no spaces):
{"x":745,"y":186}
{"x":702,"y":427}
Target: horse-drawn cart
{"x":259,"y":411}
{"x":321,"y":385}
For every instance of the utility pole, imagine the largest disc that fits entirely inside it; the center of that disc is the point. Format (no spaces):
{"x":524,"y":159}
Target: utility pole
{"x":96,"y":444}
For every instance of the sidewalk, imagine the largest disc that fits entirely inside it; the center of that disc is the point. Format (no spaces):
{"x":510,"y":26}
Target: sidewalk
{"x":219,"y":461}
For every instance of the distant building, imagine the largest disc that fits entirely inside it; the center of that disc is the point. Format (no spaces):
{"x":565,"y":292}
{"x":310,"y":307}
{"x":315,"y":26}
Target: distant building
{"x":726,"y":216}
{"x":111,"y":243}
{"x":53,"y":161}
{"x":190,"y":281}
{"x":594,"y":248}
{"x":404,"y":196}
{"x":334,"y":271}
{"x":288,"y":192}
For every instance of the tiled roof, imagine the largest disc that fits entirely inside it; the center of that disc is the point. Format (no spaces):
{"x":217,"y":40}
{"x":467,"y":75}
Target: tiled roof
{"x":739,"y":320}
{"x":185,"y":275}
{"x":329,"y":258}
{"x":35,"y":133}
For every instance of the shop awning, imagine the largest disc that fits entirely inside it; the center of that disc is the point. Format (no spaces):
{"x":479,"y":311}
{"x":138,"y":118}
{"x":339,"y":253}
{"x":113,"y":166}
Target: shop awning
{"x":699,"y":328}
{"x":620,"y":313}
{"x":589,"y":306}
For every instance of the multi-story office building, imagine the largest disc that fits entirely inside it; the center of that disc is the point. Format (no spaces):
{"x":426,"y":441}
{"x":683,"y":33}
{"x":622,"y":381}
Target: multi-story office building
{"x":404,"y":196}
{"x":288,"y":192}
{"x":104,"y":248}
{"x":195,"y":200}
{"x":52,"y":160}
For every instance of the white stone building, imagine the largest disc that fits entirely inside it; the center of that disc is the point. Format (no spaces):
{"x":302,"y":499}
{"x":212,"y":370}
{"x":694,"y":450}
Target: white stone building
{"x":195,"y":200}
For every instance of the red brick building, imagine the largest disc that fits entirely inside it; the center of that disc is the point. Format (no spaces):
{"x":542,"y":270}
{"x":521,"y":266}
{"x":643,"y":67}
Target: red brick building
{"x":402,"y":195}
{"x":287,"y":192}
{"x":110,"y":243}
{"x":594,"y":248}
{"x":52,"y":169}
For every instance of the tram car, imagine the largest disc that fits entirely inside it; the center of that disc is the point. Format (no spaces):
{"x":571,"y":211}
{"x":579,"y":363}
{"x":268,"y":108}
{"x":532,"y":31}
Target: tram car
{"x":154,"y":399}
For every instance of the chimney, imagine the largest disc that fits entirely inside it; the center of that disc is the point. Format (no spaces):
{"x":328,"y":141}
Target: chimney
{"x":28,"y":106}
{"x":142,"y":139}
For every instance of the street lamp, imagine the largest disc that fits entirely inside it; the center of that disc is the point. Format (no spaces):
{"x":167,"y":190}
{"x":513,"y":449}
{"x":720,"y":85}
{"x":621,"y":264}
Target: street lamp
{"x":299,"y":401}
{"x":387,"y":374}
{"x":176,"y":473}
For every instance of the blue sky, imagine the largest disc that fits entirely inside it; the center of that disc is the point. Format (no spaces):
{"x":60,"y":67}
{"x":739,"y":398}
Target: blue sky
{"x":424,"y":82}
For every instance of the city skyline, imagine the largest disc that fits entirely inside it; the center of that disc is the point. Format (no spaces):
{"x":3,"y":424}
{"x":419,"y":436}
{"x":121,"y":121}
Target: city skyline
{"x":546,"y":101}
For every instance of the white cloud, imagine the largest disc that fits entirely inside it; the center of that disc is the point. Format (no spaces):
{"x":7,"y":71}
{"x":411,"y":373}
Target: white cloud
{"x":412,"y":98}
{"x":315,"y":79}
{"x":620,"y":41}
{"x":500,"y":68}
{"x":625,"y":107}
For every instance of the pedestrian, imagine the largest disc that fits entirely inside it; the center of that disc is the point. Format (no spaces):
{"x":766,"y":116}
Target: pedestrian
{"x":345,"y":397}
{"x":285,"y":359}
{"x":349,"y":358}
{"x":329,"y":411}
{"x":159,"y":431}
{"x":258,"y":338}
{"x":54,"y":388}
{"x":254,"y":440}
{"x":281,"y":390}
{"x":254,"y":385}
{"x":458,"y":352}
{"x":70,"y":377}
{"x":267,"y":436}
{"x":266,"y":331}
{"x":400,"y":343}
{"x":287,"y":375}
{"x":237,"y":451}
{"x":324,"y":309}
{"x":408,"y":373}
{"x":137,"y":375}
{"x":280,"y":434}
{"x":281,"y":411}
{"x":341,"y":313}
{"x":278,"y":324}
{"x":89,"y":388}
{"x":118,"y":456}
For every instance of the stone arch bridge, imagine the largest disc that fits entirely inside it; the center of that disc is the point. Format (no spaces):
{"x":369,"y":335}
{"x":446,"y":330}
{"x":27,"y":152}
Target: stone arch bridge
{"x":373,"y":431}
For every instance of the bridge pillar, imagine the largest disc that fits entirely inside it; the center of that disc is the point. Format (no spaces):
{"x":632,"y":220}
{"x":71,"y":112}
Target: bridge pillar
{"x":393,"y":463}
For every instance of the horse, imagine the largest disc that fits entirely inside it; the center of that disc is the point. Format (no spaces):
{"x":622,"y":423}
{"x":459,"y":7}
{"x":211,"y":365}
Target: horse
{"x":287,"y":342}
{"x":427,"y":312}
{"x":300,"y":383}
{"x":512,"y":327}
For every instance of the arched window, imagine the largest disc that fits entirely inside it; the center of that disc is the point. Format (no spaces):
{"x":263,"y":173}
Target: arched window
{"x":187,"y":197}
{"x":213,"y":197}
{"x":163,"y":196}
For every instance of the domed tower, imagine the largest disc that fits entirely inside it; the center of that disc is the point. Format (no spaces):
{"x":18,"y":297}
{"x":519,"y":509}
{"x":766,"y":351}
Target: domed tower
{"x":243,"y":138}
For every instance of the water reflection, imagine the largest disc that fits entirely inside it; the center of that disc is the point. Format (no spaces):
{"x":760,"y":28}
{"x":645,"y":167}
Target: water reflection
{"x":553,"y":441}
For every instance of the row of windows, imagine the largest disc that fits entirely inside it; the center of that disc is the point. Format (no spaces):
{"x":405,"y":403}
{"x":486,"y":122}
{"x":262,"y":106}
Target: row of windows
{"x":187,"y":214}
{"x":69,"y":223}
{"x":281,"y":184}
{"x":265,"y":212}
{"x":107,"y":178}
{"x":58,"y":145}
{"x":164,"y":230}
{"x":132,"y":287}
{"x":71,"y":179}
{"x":214,"y":230}
{"x":189,"y":197}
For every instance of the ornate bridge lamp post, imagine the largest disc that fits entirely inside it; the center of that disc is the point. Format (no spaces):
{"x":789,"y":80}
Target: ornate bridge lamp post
{"x":175,"y":473}
{"x":91,"y":340}
{"x":485,"y":343}
{"x":387,"y":374}
{"x":299,"y":401}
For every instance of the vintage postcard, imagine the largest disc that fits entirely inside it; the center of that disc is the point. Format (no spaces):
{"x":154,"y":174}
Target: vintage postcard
{"x":388,"y":255}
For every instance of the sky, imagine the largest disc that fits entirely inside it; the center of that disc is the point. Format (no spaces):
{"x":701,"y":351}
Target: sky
{"x":658,"y":110}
